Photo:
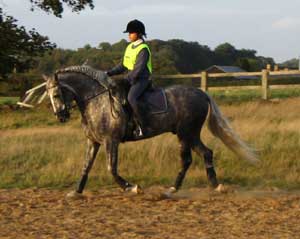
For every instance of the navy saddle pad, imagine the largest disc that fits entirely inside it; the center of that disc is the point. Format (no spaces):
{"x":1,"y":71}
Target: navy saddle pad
{"x":155,"y":101}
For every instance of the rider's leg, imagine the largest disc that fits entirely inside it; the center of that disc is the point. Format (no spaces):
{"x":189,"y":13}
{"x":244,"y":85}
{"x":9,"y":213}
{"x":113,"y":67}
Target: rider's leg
{"x":135,"y":92}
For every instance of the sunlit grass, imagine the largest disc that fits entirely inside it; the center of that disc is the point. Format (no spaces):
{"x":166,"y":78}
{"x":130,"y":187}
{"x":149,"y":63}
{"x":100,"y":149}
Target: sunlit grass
{"x":8,"y":100}
{"x":240,"y":95}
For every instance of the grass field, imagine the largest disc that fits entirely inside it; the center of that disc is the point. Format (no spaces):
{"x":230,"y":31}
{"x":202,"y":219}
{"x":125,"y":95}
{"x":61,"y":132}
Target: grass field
{"x":8,"y":100}
{"x":238,"y":96}
{"x":37,"y":151}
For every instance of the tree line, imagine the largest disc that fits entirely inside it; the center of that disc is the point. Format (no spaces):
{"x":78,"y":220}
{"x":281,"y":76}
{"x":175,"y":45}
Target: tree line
{"x":30,"y":54}
{"x":22,"y":50}
{"x":19,"y":47}
{"x":169,"y":57}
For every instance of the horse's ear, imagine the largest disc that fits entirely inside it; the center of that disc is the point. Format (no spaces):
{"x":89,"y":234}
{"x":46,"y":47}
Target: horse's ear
{"x":45,"y":77}
{"x":55,"y":77}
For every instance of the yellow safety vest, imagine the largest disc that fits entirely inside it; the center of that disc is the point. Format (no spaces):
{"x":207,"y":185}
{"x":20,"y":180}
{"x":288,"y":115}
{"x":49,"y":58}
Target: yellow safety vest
{"x":132,"y":53}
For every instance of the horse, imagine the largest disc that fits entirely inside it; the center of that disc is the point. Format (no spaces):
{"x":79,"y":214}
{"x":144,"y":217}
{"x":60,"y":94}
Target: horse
{"x":105,"y":121}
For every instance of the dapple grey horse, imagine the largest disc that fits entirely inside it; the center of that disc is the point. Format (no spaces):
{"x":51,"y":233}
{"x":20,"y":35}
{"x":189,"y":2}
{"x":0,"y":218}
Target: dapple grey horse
{"x":105,"y":121}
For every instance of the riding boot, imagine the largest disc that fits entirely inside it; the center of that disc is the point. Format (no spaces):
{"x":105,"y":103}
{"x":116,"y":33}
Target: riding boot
{"x":142,"y":122}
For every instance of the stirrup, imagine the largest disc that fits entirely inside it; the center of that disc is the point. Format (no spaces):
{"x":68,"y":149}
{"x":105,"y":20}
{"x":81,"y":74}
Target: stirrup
{"x":139,"y":131}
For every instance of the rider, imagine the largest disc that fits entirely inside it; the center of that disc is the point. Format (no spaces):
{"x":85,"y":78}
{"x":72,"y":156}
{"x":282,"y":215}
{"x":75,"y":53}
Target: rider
{"x":137,"y":61}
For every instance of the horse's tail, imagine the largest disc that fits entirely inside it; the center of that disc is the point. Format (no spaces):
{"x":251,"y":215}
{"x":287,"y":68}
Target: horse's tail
{"x":220,"y":128}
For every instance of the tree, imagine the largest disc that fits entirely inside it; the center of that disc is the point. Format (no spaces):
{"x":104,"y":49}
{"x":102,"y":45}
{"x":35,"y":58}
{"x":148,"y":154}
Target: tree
{"x":105,"y":46}
{"x":191,"y":56}
{"x":87,"y":47}
{"x":292,"y":63}
{"x":226,"y":54}
{"x":246,"y":53}
{"x":243,"y":63}
{"x":56,"y":6}
{"x":120,"y":46}
{"x":18,"y":47}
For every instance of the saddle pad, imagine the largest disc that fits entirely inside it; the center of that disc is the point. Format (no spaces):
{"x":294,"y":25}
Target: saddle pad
{"x":155,"y":101}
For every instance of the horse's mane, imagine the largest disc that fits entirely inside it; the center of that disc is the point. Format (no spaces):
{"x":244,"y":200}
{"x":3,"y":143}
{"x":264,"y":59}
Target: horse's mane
{"x":97,"y":75}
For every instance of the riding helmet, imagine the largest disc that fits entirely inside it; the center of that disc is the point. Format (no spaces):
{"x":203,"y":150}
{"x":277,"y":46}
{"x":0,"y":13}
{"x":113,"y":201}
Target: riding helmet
{"x":135,"y":26}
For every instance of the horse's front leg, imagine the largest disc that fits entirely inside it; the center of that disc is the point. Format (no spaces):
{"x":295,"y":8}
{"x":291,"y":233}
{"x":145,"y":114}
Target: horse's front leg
{"x":91,"y":153}
{"x":112,"y":158}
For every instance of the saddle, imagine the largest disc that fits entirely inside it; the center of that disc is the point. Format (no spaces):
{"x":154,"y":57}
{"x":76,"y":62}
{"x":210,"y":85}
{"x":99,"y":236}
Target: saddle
{"x":153,"y":101}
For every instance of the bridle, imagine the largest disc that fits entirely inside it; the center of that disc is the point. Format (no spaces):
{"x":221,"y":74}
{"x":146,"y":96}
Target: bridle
{"x":66,"y":106}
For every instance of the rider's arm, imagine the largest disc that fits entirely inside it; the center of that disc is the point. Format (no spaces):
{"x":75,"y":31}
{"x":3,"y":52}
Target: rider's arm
{"x":140,"y":66}
{"x":118,"y":69}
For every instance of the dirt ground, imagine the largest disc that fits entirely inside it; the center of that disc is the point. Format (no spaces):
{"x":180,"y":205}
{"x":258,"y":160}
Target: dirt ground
{"x":111,"y":213}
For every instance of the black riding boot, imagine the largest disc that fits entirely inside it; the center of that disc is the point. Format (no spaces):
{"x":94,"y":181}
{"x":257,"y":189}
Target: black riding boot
{"x":142,"y":122}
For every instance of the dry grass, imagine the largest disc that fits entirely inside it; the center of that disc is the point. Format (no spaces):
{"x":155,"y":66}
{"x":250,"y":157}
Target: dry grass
{"x":52,"y":156}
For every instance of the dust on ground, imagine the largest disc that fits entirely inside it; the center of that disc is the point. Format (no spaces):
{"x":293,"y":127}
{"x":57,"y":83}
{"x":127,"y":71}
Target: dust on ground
{"x":111,"y":213}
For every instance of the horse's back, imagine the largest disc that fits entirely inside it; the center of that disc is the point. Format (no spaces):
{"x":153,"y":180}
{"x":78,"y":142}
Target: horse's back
{"x":187,"y":97}
{"x":190,"y":106}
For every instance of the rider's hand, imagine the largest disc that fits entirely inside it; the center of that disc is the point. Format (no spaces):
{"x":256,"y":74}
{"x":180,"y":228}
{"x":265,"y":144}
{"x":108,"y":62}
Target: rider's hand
{"x":112,"y":83}
{"x":107,"y":73}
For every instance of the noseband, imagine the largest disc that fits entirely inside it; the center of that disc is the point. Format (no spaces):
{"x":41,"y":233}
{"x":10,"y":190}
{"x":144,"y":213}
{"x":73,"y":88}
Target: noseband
{"x":62,"y":111}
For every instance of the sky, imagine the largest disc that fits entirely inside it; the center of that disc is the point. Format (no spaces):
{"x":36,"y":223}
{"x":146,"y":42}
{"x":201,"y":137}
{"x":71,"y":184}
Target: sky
{"x":271,"y":27}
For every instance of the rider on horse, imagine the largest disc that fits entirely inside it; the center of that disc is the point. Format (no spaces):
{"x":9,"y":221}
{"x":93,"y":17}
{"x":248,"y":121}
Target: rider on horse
{"x":137,"y":61}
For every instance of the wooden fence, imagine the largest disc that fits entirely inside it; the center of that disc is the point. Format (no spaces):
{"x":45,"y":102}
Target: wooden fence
{"x":264,"y":75}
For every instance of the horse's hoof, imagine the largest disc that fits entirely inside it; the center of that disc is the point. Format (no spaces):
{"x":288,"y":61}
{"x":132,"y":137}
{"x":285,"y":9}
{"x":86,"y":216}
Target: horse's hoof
{"x":221,"y":188}
{"x":169,"y":192}
{"x":74,"y":195}
{"x":135,"y":189}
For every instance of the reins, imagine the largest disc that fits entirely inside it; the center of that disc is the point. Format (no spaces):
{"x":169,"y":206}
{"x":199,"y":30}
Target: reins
{"x":115,"y":113}
{"x":88,"y":71}
{"x":112,"y":106}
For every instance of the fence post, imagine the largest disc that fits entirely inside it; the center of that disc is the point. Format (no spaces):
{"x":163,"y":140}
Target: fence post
{"x":204,"y":81}
{"x":264,"y":84}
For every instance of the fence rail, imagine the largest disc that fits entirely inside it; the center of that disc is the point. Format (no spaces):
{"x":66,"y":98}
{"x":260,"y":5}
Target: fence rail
{"x":264,"y":75}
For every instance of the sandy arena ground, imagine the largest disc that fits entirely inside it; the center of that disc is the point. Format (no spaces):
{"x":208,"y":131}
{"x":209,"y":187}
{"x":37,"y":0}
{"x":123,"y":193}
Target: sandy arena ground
{"x":110,"y":213}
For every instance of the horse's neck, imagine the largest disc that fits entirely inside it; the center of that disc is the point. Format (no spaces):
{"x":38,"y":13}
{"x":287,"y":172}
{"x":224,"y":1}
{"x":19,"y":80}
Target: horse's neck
{"x":79,"y":84}
{"x":83,"y":87}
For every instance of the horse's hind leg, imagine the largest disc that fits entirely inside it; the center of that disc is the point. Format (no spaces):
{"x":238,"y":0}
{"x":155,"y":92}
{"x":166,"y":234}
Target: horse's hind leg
{"x":91,"y":152}
{"x":207,"y":154}
{"x":186,"y":160}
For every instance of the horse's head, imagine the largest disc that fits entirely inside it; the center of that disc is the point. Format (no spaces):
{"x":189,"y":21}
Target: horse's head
{"x":61,"y":98}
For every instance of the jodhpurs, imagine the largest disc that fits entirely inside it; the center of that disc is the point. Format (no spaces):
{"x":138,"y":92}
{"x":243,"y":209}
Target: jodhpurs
{"x":135,"y":92}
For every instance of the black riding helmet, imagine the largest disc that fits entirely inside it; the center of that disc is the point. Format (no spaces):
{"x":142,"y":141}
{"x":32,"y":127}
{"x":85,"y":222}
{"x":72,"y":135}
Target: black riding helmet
{"x":135,"y":26}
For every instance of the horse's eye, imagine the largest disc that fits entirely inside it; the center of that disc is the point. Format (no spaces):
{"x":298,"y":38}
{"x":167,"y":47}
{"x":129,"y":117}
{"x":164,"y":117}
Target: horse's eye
{"x":55,"y":96}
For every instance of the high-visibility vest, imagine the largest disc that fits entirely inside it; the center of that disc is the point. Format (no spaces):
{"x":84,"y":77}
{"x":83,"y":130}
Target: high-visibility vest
{"x":132,"y":53}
